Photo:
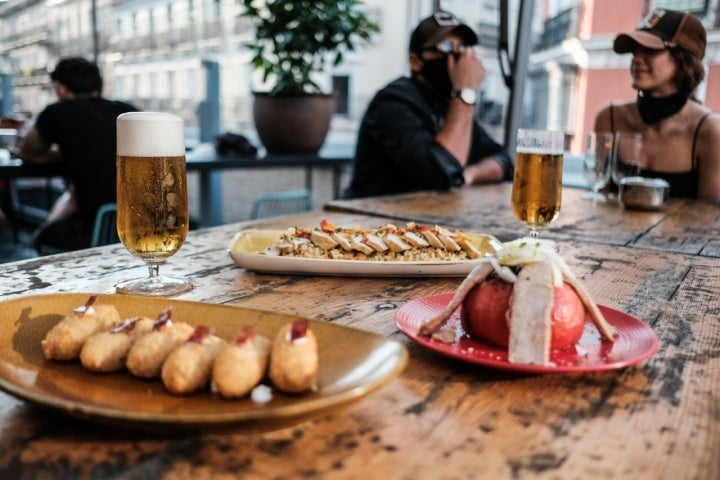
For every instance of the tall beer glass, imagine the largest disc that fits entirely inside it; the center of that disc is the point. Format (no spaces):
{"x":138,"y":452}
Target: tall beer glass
{"x":537,"y":182}
{"x":152,"y":209}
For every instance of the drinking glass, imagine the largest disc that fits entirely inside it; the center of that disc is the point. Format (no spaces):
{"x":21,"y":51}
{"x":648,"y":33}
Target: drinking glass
{"x":597,"y":162}
{"x":152,"y":208}
{"x":626,"y":155}
{"x":537,"y":182}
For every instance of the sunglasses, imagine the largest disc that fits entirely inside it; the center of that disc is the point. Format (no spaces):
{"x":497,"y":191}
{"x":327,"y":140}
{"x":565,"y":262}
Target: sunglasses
{"x":447,"y":47}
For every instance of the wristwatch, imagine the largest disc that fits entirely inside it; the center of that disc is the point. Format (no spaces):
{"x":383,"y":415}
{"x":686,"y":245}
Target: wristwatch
{"x":467,"y":95}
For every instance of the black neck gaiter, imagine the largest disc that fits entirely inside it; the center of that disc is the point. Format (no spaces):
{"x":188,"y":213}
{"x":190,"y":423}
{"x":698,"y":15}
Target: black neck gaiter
{"x":436,"y":74}
{"x":654,"y":109}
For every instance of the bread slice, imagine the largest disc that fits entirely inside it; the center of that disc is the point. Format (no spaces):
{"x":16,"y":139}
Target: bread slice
{"x":530,"y":309}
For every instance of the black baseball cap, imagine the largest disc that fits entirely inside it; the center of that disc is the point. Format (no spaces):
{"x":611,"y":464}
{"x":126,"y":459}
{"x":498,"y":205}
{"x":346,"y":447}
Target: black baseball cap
{"x":663,"y":29}
{"x":436,"y":27}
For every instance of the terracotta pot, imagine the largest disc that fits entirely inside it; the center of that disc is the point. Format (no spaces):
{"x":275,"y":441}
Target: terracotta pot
{"x":293,"y":123}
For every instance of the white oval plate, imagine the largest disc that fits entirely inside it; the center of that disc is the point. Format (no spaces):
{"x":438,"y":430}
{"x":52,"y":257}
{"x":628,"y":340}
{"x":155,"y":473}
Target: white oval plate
{"x":246,"y":250}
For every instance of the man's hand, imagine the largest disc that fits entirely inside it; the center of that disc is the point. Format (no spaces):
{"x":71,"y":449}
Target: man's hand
{"x":466,"y":70}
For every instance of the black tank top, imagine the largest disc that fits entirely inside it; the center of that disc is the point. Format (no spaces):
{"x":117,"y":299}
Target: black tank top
{"x":682,"y":184}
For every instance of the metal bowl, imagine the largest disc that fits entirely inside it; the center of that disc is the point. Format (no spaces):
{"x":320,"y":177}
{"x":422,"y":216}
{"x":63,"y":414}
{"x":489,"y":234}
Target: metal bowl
{"x":643,"y":193}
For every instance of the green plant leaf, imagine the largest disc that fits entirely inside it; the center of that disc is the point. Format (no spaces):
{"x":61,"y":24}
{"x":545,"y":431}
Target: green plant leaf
{"x":295,"y":38}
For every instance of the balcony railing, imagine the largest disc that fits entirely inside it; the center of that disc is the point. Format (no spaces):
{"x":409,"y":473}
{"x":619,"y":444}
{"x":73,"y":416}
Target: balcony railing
{"x":562,"y":26}
{"x":488,"y":35}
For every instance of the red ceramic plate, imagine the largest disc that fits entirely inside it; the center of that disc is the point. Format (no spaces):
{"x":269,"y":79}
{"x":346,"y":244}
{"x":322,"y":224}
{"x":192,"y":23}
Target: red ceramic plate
{"x":635,"y":341}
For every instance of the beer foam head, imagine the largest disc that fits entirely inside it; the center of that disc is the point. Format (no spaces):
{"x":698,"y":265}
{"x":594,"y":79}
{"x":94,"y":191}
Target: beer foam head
{"x":150,"y":134}
{"x":539,"y":141}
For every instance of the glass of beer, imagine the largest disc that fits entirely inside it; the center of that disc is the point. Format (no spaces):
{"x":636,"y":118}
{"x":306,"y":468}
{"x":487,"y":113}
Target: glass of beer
{"x":537,"y":182}
{"x":152,"y":207}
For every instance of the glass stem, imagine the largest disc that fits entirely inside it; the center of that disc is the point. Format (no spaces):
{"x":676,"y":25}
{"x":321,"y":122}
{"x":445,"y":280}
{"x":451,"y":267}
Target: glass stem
{"x":153,"y":270}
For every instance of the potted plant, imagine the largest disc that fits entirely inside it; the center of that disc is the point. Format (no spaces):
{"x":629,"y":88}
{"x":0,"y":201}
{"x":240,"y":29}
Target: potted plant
{"x":294,"y":41}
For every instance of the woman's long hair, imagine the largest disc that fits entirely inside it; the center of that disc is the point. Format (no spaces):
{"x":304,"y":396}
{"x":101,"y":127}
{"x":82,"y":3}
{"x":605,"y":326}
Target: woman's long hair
{"x":690,"y":71}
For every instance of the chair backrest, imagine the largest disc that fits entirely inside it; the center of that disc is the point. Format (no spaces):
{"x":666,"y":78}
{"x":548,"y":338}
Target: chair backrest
{"x":105,"y":230}
{"x":280,"y":203}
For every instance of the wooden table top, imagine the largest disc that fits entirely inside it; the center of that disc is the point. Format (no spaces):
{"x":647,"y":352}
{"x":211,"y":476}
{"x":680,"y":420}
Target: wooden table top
{"x":686,"y":226}
{"x":442,"y":418}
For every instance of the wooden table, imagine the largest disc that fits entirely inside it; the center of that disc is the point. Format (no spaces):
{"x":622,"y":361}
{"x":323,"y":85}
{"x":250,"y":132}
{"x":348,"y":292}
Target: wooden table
{"x":686,"y":226}
{"x":441,"y":419}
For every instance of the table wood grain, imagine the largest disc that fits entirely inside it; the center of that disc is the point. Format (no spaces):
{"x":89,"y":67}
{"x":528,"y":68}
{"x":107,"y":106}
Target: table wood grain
{"x":685,"y":226}
{"x":442,"y":418}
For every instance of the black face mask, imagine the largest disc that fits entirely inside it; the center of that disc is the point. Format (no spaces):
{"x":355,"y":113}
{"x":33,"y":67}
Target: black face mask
{"x":654,"y":109}
{"x":435,"y":72}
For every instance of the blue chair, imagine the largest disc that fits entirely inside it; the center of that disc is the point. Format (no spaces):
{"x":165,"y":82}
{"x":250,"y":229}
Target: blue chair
{"x":105,"y":229}
{"x":273,"y":204}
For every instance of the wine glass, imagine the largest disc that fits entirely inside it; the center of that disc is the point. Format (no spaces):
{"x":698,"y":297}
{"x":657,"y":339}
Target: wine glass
{"x":152,"y":208}
{"x":626,"y":155}
{"x":537,"y":181}
{"x":597,"y":162}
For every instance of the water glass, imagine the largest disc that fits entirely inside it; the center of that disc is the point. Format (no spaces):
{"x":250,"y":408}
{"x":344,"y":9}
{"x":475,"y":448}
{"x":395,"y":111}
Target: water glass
{"x":597,"y":162}
{"x":626,"y":155}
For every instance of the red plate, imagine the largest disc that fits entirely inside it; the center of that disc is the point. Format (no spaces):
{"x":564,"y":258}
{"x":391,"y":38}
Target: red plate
{"x":635,"y":341}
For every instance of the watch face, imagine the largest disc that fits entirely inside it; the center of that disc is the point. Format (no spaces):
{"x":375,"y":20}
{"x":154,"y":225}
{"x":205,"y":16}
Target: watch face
{"x":468,"y":96}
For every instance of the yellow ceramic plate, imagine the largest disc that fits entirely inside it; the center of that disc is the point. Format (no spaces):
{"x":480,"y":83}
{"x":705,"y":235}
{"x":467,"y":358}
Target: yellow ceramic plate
{"x":246,"y":250}
{"x":353,"y":364}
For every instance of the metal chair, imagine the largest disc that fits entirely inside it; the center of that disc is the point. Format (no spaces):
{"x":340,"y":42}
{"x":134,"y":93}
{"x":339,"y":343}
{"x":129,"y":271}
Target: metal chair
{"x":105,"y":229}
{"x":273,"y":204}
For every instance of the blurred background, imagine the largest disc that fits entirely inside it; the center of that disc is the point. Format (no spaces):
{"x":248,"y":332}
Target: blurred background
{"x":188,"y":57}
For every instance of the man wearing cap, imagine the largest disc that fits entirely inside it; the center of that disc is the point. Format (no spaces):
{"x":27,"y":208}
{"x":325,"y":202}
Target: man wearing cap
{"x":420,"y":132}
{"x":681,"y":137}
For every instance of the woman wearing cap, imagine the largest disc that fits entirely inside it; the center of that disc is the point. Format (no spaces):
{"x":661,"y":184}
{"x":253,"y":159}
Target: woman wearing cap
{"x":681,"y":137}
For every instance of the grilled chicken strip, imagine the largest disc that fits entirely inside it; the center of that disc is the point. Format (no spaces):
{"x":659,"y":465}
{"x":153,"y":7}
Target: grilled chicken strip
{"x":607,"y":330}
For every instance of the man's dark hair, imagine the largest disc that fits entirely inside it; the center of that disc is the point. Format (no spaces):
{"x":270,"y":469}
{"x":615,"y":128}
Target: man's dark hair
{"x":80,"y":76}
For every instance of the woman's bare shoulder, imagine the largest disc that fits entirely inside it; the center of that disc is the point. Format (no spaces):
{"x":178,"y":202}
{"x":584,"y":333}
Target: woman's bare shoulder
{"x":620,"y":111}
{"x":710,"y":122}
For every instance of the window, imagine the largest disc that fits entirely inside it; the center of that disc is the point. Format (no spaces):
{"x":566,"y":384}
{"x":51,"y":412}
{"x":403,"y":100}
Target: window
{"x":341,"y":89}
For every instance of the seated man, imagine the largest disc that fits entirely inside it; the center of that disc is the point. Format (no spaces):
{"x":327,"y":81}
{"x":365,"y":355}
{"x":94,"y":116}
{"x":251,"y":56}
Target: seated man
{"x":421,"y":132}
{"x":79,"y":131}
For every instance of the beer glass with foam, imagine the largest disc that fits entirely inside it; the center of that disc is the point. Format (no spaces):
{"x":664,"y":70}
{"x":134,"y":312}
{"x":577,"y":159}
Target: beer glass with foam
{"x":537,"y":182}
{"x":152,"y":208}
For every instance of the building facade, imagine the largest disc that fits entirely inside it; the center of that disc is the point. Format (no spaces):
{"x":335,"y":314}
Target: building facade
{"x":161,"y":55}
{"x":574,"y":71}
